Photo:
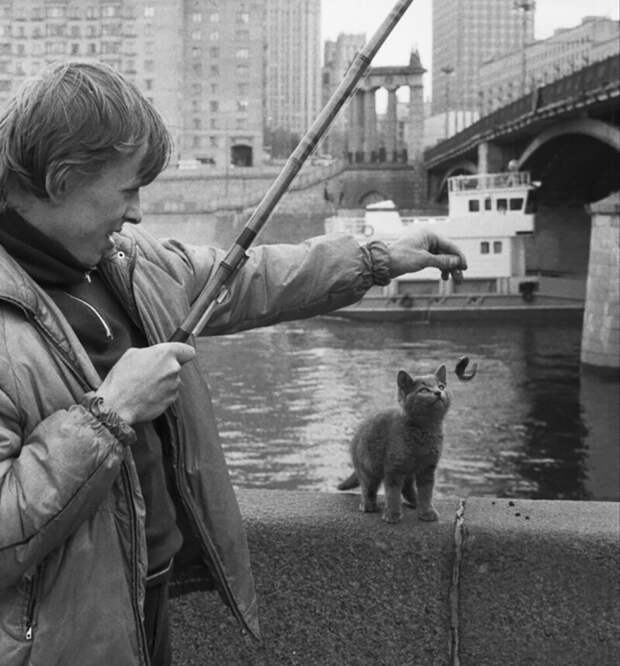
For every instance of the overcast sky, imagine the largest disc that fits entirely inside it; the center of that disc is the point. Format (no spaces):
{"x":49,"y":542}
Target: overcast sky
{"x":414,"y":29}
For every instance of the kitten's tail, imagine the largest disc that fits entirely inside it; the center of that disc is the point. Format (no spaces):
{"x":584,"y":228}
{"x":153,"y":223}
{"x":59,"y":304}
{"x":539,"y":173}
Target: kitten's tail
{"x":351,"y":482}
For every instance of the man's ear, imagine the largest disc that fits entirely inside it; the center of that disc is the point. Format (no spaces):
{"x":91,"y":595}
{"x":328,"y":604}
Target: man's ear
{"x":57,"y":188}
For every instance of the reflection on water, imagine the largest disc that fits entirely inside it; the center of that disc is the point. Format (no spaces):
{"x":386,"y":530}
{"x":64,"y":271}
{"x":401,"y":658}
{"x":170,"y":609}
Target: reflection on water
{"x":288,"y":397}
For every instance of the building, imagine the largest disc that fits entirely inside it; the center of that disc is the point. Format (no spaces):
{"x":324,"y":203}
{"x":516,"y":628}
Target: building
{"x":337,"y":56}
{"x":216,"y":70}
{"x":467,"y":33}
{"x":293,"y":64}
{"x":504,"y":78}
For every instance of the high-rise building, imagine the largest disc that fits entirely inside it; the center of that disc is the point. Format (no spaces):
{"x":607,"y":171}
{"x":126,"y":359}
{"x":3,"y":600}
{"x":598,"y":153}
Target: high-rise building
{"x":466,"y":33}
{"x":215,"y":69}
{"x":337,"y":56}
{"x":293,"y":63}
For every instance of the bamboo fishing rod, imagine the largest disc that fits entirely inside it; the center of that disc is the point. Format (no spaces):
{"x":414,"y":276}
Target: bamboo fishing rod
{"x":217,"y":288}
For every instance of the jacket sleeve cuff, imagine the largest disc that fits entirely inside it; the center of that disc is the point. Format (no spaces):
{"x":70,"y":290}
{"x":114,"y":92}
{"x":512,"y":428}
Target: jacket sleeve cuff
{"x":111,"y":420}
{"x":379,"y":256}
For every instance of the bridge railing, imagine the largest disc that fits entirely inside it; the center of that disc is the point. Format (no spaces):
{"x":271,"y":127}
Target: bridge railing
{"x":593,"y":78}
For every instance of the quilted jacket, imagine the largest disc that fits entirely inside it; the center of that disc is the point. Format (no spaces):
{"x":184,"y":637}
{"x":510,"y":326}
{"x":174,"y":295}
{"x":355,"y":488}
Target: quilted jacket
{"x":72,"y":544}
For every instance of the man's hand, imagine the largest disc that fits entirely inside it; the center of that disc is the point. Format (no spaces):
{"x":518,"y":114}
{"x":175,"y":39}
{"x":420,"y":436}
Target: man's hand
{"x":144,"y":382}
{"x":424,"y":248}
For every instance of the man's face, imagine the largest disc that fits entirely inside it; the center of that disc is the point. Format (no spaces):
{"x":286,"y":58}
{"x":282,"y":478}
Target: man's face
{"x":85,"y":218}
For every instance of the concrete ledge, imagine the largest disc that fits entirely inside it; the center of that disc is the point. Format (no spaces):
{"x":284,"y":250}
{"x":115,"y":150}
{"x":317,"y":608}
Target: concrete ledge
{"x":507,"y":583}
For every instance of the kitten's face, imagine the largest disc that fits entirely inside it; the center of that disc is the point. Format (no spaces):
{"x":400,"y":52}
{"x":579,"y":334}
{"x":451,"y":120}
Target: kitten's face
{"x":424,"y":393}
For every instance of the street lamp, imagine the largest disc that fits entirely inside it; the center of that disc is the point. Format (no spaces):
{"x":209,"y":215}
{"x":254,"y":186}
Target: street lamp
{"x":448,"y":71}
{"x":524,"y":7}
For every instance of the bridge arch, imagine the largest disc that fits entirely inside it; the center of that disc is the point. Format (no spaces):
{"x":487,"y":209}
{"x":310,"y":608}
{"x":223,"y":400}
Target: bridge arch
{"x":595,"y":129}
{"x":462,"y":168}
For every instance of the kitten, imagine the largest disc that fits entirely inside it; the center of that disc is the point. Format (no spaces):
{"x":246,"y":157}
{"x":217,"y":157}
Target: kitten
{"x":400,"y":446}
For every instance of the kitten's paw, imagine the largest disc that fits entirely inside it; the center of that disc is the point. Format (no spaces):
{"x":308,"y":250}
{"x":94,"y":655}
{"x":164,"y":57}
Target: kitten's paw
{"x":428,"y":515}
{"x":392,"y":517}
{"x":368,"y":506}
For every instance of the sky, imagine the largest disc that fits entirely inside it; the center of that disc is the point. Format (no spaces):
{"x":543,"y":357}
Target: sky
{"x":414,"y":29}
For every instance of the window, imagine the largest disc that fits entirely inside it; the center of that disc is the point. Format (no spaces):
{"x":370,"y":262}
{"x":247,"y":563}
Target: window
{"x":214,"y":52}
{"x":474,"y":205}
{"x":214,"y":106}
{"x":56,"y":12}
{"x":214,"y":17}
{"x":75,"y":49}
{"x":502,"y":205}
{"x":243,"y":17}
{"x":149,"y":12}
{"x":196,"y":123}
{"x":196,"y":35}
{"x":484,"y":247}
{"x":214,"y":36}
{"x":497,"y":247}
{"x":488,"y":203}
{"x":242,"y":54}
{"x":215,"y":70}
{"x":213,"y":141}
{"x":197,"y":17}
{"x":148,"y":84}
{"x":242,"y":105}
{"x":109,"y":11}
{"x":516,"y":204}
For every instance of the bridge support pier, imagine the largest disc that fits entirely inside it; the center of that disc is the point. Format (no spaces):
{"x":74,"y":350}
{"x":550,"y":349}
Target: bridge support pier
{"x":600,"y":344}
{"x":491,"y":158}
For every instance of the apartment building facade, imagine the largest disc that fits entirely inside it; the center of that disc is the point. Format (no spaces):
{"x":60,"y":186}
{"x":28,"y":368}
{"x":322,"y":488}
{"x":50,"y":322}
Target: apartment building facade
{"x":467,"y":33}
{"x":208,"y":66}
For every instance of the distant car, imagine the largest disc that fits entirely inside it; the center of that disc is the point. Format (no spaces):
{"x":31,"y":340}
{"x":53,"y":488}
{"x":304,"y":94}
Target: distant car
{"x":322,"y":160}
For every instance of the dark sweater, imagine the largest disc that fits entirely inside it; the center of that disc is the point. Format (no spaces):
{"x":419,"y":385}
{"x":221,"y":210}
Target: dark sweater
{"x":106,"y":331}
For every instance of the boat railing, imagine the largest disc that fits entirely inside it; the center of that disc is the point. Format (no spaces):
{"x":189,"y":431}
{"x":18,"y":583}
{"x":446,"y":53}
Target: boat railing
{"x":489,"y":181}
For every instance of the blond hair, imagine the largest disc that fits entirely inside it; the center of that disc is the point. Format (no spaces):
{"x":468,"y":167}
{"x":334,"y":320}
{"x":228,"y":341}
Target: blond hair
{"x":65,"y":123}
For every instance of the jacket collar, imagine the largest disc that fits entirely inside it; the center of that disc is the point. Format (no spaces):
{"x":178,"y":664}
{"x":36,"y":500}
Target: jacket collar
{"x":19,"y":290}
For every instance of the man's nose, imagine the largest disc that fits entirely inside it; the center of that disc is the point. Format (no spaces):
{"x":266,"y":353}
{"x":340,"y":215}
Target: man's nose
{"x":133,"y":214}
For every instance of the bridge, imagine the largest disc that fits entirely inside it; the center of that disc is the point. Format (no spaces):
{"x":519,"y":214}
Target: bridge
{"x":565,"y":133}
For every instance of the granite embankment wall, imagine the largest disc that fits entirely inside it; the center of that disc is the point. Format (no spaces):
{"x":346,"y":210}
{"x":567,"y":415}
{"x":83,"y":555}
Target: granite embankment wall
{"x":495,"y":582}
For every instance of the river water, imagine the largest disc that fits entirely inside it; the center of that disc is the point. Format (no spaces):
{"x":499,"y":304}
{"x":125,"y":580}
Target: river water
{"x":531,"y":424}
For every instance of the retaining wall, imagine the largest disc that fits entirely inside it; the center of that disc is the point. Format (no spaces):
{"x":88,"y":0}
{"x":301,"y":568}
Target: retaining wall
{"x":495,"y":582}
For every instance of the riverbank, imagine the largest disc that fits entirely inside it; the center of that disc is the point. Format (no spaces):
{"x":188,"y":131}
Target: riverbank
{"x":494,"y":581}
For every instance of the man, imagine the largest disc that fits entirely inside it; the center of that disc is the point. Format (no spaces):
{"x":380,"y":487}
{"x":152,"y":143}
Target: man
{"x":110,"y":464}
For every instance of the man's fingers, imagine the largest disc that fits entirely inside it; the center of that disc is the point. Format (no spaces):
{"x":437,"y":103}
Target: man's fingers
{"x":182,"y":352}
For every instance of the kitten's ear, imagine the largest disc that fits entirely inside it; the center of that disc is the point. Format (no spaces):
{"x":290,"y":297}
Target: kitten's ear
{"x":440,"y":373}
{"x":404,"y":381}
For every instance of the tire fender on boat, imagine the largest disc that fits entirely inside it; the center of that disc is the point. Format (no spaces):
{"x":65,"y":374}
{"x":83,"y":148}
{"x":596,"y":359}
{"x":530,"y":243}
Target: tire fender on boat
{"x":406,"y":301}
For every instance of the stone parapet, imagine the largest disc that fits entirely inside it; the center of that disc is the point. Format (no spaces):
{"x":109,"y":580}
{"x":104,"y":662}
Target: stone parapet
{"x":495,"y":581}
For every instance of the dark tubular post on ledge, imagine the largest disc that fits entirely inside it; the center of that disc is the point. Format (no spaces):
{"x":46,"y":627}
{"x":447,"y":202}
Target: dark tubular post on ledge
{"x":216,"y":289}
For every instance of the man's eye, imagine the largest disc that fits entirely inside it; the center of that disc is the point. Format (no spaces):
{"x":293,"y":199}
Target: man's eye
{"x":442,"y":386}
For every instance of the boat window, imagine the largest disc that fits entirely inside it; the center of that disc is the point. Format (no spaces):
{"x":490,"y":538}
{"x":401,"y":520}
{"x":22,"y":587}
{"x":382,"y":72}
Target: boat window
{"x":502,"y":205}
{"x":484,"y":247}
{"x":488,"y":203}
{"x":474,"y":205}
{"x":497,"y":247}
{"x":530,"y":204}
{"x":516,"y":204}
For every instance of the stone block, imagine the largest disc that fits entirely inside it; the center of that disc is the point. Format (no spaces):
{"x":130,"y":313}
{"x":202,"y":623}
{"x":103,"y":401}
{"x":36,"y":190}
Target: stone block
{"x":540,"y":583}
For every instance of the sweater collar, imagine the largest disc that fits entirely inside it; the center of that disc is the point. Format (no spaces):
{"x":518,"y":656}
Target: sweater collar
{"x":42,"y":257}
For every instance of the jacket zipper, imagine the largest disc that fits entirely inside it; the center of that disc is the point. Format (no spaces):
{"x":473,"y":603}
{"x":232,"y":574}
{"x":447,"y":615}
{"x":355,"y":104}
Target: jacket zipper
{"x":134,"y":559}
{"x":33,"y":594}
{"x":102,"y":321}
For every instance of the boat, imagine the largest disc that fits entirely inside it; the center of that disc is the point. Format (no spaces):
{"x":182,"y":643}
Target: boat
{"x":491,"y":218}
